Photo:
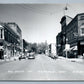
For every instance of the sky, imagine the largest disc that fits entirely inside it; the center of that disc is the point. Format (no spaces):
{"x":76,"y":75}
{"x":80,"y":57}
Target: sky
{"x":39,"y":22}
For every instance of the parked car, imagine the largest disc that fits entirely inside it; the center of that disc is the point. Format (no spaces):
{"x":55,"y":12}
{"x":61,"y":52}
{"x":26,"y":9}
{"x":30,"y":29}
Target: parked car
{"x":22,"y":57}
{"x":31,"y":57}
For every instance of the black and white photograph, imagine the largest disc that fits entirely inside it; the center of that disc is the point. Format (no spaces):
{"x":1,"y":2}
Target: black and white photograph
{"x":42,"y":42}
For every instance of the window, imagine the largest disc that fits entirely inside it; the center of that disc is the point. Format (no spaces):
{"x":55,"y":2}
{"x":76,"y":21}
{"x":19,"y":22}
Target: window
{"x":82,"y":30}
{"x":82,"y":24}
{"x":1,"y":44}
{"x":0,"y":33}
{"x":82,"y":18}
{"x":6,"y":34}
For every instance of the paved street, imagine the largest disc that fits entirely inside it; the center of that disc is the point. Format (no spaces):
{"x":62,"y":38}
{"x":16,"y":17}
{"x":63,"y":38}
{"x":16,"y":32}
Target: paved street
{"x":42,"y":68}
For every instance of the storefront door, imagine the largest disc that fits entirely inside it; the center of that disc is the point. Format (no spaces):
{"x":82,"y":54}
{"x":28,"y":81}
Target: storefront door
{"x":1,"y":54}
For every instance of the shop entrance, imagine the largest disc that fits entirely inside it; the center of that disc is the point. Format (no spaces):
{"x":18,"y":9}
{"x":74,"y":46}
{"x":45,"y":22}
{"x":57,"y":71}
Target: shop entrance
{"x":81,"y":49}
{"x":1,"y":54}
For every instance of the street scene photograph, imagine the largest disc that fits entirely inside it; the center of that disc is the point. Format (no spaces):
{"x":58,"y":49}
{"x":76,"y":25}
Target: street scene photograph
{"x":42,"y":42}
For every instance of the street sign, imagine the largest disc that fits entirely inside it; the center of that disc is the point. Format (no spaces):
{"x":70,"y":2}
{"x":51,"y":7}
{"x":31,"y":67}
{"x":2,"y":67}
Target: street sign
{"x":1,"y":47}
{"x":67,"y":46}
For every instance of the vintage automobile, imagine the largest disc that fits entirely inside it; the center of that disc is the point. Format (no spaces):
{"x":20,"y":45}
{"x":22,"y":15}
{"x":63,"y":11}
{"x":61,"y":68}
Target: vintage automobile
{"x":31,"y":55}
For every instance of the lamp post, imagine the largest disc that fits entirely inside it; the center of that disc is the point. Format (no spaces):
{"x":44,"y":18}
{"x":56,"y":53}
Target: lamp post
{"x":77,"y":36}
{"x":67,"y":47}
{"x":58,"y":48}
{"x":26,"y":52}
{"x":14,"y":50}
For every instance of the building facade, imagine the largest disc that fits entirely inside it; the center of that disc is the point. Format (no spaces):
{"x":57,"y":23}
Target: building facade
{"x":64,"y":22}
{"x":25,"y":47}
{"x":59,"y":44}
{"x":52,"y":50}
{"x":73,"y":34}
{"x":10,"y":40}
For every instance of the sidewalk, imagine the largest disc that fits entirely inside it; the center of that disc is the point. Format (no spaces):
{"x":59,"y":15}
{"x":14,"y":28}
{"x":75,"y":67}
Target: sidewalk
{"x":5,"y":61}
{"x":78,"y":60}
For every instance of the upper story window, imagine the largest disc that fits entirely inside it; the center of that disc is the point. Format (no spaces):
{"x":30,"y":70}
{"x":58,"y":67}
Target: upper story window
{"x":82,"y":30}
{"x":0,"y":33}
{"x":81,"y":17}
{"x":1,"y":36}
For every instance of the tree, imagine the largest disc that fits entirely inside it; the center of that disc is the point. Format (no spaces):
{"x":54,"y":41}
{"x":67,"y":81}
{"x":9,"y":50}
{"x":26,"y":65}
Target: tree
{"x":42,"y":47}
{"x":34,"y":47}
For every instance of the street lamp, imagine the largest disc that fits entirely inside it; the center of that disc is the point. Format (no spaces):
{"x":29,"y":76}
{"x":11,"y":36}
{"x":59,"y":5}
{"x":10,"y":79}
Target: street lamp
{"x":67,"y":47}
{"x":14,"y":50}
{"x":58,"y":48}
{"x":77,"y":36}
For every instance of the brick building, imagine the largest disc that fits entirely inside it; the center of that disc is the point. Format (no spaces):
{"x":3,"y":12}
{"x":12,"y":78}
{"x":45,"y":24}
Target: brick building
{"x":10,"y":40}
{"x":59,"y":43}
{"x":25,"y":47}
{"x":73,"y":33}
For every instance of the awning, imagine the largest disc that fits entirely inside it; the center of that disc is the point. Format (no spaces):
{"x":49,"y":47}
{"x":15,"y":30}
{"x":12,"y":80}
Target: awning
{"x":66,"y":50}
{"x":74,"y":48}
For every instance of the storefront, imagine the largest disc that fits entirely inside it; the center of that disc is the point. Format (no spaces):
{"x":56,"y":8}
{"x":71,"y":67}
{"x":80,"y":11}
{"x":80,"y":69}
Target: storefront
{"x":1,"y":54}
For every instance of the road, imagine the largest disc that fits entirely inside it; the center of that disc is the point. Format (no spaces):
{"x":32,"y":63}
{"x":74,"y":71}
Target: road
{"x":42,"y":68}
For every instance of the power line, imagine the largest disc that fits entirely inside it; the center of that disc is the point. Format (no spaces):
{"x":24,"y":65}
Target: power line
{"x":38,"y":9}
{"x":34,"y":9}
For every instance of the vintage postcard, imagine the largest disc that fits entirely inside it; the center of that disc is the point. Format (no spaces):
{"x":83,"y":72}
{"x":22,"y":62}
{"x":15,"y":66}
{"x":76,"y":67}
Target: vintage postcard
{"x":42,"y":42}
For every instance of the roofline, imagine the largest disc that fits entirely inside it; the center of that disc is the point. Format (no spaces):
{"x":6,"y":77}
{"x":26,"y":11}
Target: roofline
{"x":64,"y":17}
{"x":75,"y":17}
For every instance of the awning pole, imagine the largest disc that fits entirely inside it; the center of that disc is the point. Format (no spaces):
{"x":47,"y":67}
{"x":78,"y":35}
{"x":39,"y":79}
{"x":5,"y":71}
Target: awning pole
{"x":66,"y":53}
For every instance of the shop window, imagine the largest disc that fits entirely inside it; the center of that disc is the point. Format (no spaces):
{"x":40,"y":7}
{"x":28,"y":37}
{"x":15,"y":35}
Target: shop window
{"x":1,"y":44}
{"x":0,"y":33}
{"x":82,"y":31}
{"x":82,"y":18}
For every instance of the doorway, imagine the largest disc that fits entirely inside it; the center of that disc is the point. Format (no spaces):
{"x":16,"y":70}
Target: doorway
{"x":1,"y":54}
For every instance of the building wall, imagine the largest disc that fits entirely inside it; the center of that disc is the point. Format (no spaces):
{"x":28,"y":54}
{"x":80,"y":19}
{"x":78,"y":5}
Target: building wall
{"x":18,"y":32}
{"x":59,"y":44}
{"x":72,"y":33}
{"x":25,"y":47}
{"x":1,"y":42}
{"x":75,"y":33}
{"x":52,"y":50}
{"x":12,"y":45}
{"x":64,"y":22}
